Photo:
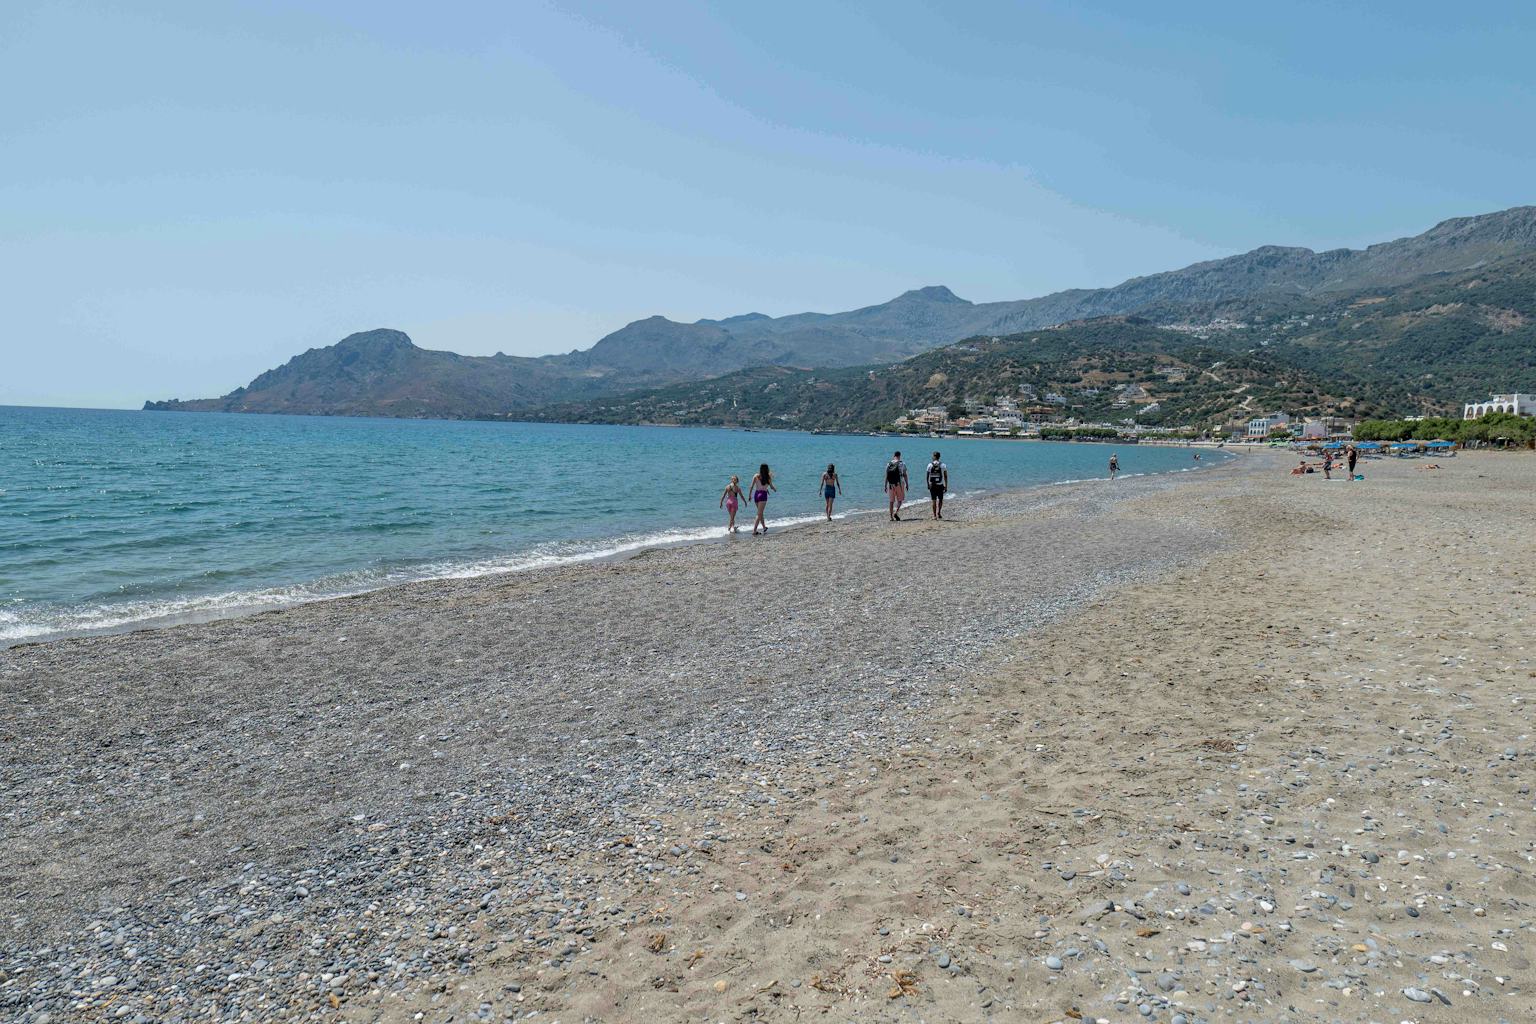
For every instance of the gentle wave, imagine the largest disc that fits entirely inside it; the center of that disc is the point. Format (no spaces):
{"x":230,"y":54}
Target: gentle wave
{"x":145,"y":614}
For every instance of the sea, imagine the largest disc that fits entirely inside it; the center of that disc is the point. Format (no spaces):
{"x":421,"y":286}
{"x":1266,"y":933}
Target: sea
{"x":113,"y":520}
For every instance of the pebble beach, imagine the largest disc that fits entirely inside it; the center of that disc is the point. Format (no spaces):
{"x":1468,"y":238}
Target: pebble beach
{"x":1226,"y":745}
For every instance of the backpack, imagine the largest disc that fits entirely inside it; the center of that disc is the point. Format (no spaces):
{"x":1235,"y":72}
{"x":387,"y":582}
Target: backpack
{"x":893,"y":473}
{"x":935,"y":474}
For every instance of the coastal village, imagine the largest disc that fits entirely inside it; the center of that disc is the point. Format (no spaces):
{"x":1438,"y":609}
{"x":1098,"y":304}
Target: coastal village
{"x":1049,"y":416}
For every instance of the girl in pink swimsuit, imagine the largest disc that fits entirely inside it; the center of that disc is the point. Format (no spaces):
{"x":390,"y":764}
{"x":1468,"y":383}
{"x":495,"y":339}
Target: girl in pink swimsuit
{"x":730,"y":500}
{"x":762,"y":483}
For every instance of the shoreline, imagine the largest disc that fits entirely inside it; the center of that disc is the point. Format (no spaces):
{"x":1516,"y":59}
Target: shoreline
{"x":244,"y":604}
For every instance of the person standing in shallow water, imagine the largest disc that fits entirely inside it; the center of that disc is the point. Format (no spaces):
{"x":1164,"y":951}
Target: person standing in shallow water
{"x":762,"y":483}
{"x":831,"y":487}
{"x":730,"y":498}
{"x":1114,"y":466}
{"x":896,"y":485}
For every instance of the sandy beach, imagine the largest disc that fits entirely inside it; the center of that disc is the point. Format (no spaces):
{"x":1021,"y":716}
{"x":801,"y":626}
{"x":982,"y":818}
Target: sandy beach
{"x":1227,"y":745}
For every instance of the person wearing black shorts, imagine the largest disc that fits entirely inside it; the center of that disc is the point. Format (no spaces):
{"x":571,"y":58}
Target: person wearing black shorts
{"x":937,"y":476}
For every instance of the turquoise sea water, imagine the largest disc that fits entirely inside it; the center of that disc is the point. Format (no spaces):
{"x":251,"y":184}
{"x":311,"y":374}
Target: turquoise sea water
{"x":115,"y":519}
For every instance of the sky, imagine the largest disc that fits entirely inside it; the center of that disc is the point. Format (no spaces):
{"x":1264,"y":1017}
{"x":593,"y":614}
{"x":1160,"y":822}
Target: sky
{"x":191,"y":193}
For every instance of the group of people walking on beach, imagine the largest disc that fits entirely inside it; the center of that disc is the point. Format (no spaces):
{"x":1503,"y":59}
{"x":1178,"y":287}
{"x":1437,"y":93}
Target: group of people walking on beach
{"x":936,"y":476}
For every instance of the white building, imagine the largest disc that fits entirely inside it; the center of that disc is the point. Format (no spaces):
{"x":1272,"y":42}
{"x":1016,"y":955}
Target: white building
{"x":1263,"y":426}
{"x":1520,"y":405}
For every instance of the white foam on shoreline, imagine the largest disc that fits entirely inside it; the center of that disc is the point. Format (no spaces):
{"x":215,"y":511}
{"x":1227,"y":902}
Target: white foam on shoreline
{"x":116,"y":617}
{"x":149,"y":614}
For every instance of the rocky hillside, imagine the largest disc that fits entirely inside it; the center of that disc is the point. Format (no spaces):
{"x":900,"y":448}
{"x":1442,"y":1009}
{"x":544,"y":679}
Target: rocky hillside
{"x":1418,"y":348}
{"x":1086,"y":363}
{"x":382,"y":373}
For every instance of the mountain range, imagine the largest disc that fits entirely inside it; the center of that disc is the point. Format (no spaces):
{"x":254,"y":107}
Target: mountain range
{"x":383,"y":373}
{"x":1422,"y":347}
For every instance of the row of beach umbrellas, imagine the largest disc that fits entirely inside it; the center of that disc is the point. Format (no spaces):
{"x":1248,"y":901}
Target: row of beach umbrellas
{"x":1399,"y":446}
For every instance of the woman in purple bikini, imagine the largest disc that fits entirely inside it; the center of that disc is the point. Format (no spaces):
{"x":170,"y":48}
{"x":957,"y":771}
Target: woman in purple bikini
{"x":762,"y":483}
{"x":729,"y":499}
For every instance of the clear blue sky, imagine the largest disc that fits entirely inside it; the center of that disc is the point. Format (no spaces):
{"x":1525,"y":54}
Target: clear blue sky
{"x":192,"y":192}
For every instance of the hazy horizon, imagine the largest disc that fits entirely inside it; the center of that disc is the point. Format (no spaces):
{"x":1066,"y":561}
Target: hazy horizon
{"x":194,"y":196}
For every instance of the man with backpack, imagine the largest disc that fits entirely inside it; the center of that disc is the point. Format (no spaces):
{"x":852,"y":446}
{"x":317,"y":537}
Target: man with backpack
{"x":938,"y":483}
{"x":896,"y":485}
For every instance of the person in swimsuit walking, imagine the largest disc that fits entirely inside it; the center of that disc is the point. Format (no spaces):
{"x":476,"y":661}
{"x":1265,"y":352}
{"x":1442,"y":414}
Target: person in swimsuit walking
{"x":762,"y":483}
{"x":831,"y":487}
{"x":730,"y":500}
{"x":896,"y":485}
{"x":1114,"y":466}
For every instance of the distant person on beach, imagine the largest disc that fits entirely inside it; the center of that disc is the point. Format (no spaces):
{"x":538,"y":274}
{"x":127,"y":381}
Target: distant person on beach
{"x":1114,"y":466}
{"x":730,"y":500}
{"x":1328,"y":465}
{"x":831,"y":487}
{"x":938,"y":483}
{"x":762,"y":483}
{"x":1351,"y":457}
{"x":896,"y":485}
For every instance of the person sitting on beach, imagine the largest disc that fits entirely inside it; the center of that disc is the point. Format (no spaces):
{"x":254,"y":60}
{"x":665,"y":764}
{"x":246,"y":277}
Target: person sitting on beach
{"x":762,"y":483}
{"x":938,"y":483}
{"x":896,"y":485}
{"x":1301,"y":469}
{"x":730,"y":500}
{"x":831,"y":487}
